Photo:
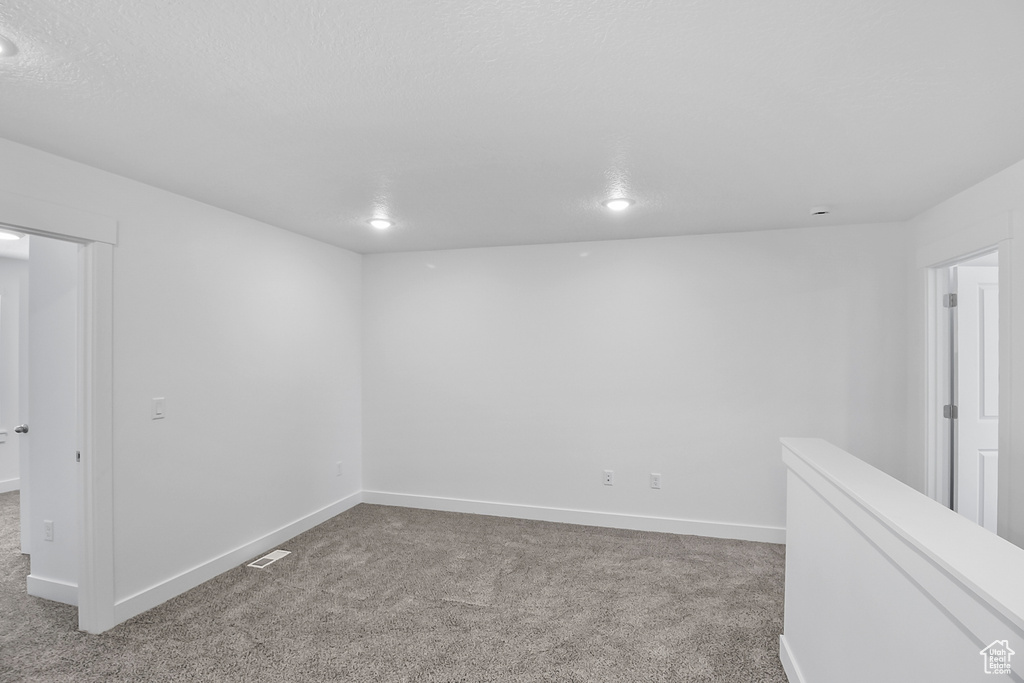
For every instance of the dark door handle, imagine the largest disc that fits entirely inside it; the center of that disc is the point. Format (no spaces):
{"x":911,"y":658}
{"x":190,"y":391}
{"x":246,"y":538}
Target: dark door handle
{"x":21,"y":429}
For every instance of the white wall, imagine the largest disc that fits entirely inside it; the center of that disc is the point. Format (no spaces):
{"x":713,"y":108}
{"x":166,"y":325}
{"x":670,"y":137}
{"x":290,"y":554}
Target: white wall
{"x":981,"y":216}
{"x":13,"y":282}
{"x":252,"y":334}
{"x":884,"y":584}
{"x":516,"y":375}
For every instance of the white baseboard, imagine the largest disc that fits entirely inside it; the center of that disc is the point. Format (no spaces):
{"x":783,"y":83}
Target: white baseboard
{"x":10,"y":485}
{"x":138,"y":603}
{"x":151,"y":597}
{"x":789,"y":662}
{"x":614,"y":520}
{"x":51,"y":589}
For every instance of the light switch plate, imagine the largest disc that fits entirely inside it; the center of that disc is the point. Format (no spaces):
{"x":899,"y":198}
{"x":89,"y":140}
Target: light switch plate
{"x":159,"y":408}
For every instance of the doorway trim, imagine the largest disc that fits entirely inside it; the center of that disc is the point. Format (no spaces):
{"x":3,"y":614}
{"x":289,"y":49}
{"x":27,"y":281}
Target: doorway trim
{"x":992,"y":235}
{"x":98,"y":236}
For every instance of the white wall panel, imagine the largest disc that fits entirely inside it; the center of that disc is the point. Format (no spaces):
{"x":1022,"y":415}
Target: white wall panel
{"x":884,"y":584}
{"x":517,"y":375}
{"x":252,"y":334}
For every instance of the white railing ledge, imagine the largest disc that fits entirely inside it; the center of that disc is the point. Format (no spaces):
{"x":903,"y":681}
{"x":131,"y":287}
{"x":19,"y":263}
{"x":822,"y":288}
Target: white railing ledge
{"x":985,"y":564}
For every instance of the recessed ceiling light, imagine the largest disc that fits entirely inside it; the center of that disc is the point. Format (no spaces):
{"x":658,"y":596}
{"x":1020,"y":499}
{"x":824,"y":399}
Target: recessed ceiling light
{"x":7,"y":47}
{"x":618,"y":203}
{"x":380,"y":223}
{"x":10,"y":236}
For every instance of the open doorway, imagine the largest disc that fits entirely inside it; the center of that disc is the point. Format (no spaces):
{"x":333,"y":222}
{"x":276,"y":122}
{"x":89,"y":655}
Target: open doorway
{"x":967,"y":386}
{"x":49,"y":424}
{"x":93,"y":237}
{"x":13,"y":359}
{"x":13,"y":287}
{"x":39,"y":426}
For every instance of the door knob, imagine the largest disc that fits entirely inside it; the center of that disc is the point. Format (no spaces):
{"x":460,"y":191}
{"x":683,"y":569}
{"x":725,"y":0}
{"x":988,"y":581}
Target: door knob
{"x":21,"y":429}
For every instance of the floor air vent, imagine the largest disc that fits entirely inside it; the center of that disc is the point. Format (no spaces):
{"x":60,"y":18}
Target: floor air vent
{"x":269,"y":559}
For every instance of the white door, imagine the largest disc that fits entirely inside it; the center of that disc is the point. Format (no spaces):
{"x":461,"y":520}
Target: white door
{"x":52,"y":511}
{"x":977,"y":377}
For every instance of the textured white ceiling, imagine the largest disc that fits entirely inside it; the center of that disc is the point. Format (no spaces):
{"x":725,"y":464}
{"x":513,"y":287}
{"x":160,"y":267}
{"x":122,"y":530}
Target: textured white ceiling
{"x":487,"y":122}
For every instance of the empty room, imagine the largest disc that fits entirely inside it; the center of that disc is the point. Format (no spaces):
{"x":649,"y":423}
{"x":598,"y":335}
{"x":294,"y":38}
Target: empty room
{"x":511,"y":341}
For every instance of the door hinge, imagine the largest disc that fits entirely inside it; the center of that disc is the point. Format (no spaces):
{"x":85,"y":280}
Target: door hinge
{"x":78,"y":456}
{"x":949,"y":412}
{"x":949,"y":301}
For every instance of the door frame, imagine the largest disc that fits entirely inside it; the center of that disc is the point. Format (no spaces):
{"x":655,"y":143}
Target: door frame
{"x":946,"y":434}
{"x":992,"y":235}
{"x":98,"y":236}
{"x":940,"y":378}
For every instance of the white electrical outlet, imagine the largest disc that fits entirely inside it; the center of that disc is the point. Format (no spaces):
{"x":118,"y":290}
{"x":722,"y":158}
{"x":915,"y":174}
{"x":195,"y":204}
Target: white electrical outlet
{"x":47,"y":530}
{"x":337,"y":469}
{"x":655,"y":481}
{"x":609,"y":478}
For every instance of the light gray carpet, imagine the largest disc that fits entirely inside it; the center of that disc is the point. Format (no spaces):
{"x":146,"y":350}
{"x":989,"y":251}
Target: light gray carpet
{"x":391,"y":594}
